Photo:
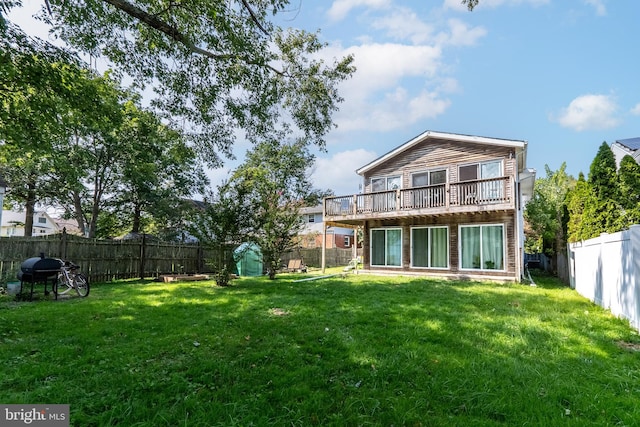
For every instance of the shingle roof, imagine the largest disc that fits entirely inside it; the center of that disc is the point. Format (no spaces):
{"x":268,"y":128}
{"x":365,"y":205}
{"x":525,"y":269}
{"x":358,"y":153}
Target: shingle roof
{"x":631,"y":143}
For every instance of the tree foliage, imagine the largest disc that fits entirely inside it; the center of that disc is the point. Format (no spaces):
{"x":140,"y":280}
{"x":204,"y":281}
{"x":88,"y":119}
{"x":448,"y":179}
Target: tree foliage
{"x":215,"y":66}
{"x":546,"y":212}
{"x":629,"y":179}
{"x":274,"y":184}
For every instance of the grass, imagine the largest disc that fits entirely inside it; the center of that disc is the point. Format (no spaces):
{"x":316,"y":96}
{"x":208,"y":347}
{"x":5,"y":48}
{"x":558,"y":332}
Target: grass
{"x":360,"y":350}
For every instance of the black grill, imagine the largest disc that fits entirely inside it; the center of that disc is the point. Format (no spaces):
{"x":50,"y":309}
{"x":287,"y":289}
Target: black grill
{"x":39,"y":270}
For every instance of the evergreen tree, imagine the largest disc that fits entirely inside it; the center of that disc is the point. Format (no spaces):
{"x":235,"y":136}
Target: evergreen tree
{"x":603,"y":180}
{"x":629,"y":179}
{"x":581,"y":206}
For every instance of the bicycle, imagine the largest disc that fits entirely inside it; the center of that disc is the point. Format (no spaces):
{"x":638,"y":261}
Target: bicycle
{"x":69,"y":278}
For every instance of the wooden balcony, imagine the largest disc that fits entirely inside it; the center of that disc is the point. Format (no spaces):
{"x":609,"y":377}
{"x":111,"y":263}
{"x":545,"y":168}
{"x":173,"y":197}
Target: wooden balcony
{"x":495,"y":194}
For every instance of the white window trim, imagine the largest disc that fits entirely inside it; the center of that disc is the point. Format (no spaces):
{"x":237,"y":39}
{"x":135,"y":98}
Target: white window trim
{"x":385,"y":255}
{"x":504,"y":246}
{"x":386,"y":181}
{"x":448,"y":267}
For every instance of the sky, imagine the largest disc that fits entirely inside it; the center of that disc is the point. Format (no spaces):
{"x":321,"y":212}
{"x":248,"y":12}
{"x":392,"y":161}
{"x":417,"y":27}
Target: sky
{"x":559,"y":74}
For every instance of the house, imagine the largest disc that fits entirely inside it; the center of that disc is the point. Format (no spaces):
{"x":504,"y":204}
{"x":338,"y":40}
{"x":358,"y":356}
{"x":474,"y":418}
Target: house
{"x":442,"y":204}
{"x":13,"y":224}
{"x":311,"y":234}
{"x":623,"y":147}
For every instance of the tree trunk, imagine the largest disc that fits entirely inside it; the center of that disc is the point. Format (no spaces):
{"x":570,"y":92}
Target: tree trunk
{"x":135,"y":226}
{"x":30,"y":205}
{"x":78,"y":214}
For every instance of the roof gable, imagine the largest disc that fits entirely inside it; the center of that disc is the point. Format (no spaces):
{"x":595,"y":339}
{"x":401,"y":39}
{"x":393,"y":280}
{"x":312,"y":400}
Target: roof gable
{"x":433,"y":135}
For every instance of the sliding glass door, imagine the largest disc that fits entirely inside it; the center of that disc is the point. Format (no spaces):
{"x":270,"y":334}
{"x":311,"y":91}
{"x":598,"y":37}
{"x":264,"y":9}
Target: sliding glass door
{"x":482,"y":247}
{"x":386,"y":247}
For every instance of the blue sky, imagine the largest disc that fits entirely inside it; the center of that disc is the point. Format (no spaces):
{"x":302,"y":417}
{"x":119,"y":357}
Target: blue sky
{"x":560,"y":74}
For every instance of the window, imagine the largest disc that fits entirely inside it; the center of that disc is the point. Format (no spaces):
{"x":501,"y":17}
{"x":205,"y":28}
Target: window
{"x":311,"y":218}
{"x":430,"y":247}
{"x":386,"y":247}
{"x":435,"y":177}
{"x":486,"y":191}
{"x":42,"y":220}
{"x":429,"y":197}
{"x":482,"y":247}
{"x":347,"y":241}
{"x":385,"y":202}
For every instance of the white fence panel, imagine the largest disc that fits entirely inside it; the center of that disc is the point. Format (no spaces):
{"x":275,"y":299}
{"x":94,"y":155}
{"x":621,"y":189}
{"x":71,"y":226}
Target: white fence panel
{"x":606,"y":270}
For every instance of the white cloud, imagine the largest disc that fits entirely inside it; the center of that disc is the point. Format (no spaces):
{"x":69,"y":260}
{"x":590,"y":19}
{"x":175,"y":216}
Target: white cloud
{"x":636,"y":110}
{"x":404,"y":24}
{"x":341,"y":8}
{"x":460,"y":34}
{"x":457,"y":4}
{"x":590,"y":112}
{"x":338,"y":171}
{"x":395,"y":85}
{"x":601,"y":9}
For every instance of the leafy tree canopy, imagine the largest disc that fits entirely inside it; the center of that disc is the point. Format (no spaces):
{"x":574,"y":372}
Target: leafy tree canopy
{"x":215,"y":66}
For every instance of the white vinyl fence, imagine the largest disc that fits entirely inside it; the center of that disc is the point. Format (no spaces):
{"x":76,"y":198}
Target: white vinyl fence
{"x":606,"y":270}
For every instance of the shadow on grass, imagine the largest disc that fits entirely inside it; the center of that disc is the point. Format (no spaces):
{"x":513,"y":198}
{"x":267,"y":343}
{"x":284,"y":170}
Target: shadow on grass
{"x":353,"y":351}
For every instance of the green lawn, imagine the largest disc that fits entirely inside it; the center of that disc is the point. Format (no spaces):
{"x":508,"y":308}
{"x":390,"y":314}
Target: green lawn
{"x":361,"y":350}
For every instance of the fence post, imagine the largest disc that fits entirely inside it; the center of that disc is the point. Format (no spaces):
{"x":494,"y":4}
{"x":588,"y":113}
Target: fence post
{"x":63,"y":244}
{"x":142,"y":255}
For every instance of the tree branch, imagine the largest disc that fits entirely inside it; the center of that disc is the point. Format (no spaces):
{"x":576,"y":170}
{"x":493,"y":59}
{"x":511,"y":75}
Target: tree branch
{"x":177,"y":35}
{"x":162,"y":26}
{"x":254,"y":17}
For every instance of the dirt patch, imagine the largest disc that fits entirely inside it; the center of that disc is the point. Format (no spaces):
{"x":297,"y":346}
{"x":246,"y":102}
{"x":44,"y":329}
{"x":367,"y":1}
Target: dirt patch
{"x":632,"y":346}
{"x":278,"y":312}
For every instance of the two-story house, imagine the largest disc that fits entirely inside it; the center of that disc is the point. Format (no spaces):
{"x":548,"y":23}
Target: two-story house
{"x":442,"y":204}
{"x":13,"y":224}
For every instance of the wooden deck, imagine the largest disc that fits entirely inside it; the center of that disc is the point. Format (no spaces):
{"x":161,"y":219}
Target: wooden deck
{"x":486,"y":195}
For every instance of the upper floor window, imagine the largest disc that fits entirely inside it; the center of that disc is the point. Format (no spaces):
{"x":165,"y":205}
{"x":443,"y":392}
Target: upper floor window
{"x":484,"y":170}
{"x":385,"y":183}
{"x":311,"y":218}
{"x":42,"y":220}
{"x":434,"y":177}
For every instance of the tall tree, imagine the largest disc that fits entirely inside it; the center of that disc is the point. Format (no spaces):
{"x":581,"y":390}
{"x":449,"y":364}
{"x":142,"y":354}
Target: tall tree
{"x":603,"y":180}
{"x":215,"y":66}
{"x":274,"y":183}
{"x":38,"y":89}
{"x":582,"y":205}
{"x":157,"y":172}
{"x":629,"y":179}
{"x":545,"y":212}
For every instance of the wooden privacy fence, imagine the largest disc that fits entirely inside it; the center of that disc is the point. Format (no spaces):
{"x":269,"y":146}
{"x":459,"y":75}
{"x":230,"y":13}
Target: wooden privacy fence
{"x":334,"y":257}
{"x":105,"y":260}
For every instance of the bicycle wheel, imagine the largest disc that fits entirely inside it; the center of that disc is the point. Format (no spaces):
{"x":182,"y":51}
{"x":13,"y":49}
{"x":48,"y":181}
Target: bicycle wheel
{"x":62,"y":285}
{"x":81,"y":283}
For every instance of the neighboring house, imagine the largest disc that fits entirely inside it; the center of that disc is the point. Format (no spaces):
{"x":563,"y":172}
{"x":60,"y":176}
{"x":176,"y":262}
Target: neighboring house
{"x":69,"y":225}
{"x":13,"y":224}
{"x":311,"y":234}
{"x":622,"y":147}
{"x":442,"y":204}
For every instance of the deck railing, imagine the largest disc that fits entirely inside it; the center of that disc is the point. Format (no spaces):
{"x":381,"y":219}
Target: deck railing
{"x":441,"y":197}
